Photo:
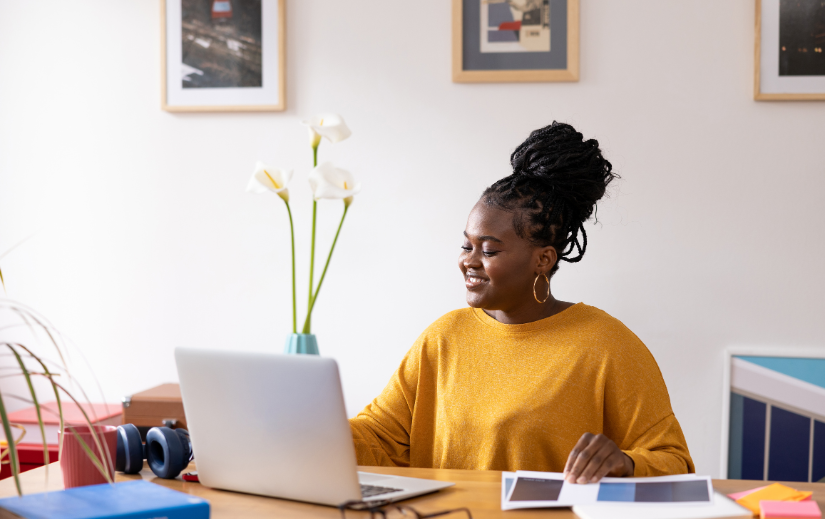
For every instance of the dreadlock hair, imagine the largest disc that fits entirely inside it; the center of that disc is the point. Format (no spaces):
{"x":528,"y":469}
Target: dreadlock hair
{"x":557,"y":179}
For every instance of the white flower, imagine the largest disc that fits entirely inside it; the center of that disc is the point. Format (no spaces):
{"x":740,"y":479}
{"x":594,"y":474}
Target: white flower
{"x":331,"y":126}
{"x":266,"y":179}
{"x":327,"y":181}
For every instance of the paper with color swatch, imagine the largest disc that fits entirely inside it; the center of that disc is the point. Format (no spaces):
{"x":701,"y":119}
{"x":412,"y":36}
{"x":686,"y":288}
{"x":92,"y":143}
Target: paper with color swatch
{"x":526,"y":489}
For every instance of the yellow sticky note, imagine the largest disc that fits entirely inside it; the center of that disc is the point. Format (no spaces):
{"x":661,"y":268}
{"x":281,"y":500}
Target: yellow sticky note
{"x":774,"y":492}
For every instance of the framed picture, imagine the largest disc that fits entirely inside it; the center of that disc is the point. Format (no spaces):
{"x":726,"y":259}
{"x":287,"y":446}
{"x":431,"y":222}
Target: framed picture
{"x":790,"y":50}
{"x":222,"y":55}
{"x":774,"y":414}
{"x":515,"y":40}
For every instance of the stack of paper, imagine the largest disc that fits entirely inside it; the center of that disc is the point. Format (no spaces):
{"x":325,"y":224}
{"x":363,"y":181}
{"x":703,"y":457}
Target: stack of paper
{"x":684,"y":496}
{"x":773,"y":492}
{"x":722,"y":508}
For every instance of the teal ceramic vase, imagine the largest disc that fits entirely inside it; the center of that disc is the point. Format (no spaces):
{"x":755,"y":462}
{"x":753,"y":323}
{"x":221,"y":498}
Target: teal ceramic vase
{"x":301,"y":343}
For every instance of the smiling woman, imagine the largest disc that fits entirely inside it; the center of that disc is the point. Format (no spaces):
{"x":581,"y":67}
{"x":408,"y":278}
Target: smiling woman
{"x":521,"y":380}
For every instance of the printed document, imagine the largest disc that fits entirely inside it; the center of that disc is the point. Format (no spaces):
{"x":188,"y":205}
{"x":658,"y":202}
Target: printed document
{"x":526,"y":489}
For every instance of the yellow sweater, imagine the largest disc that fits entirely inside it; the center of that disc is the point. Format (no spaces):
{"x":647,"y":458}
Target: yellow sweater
{"x":473,"y":393}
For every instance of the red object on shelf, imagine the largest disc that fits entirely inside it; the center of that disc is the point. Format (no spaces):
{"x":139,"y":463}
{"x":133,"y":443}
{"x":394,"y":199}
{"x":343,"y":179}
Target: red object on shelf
{"x":509,"y":26}
{"x":221,"y":9}
{"x":30,"y":456}
{"x":71,"y":413}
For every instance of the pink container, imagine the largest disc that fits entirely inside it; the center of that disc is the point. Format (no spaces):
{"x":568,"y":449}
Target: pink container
{"x":78,"y":469}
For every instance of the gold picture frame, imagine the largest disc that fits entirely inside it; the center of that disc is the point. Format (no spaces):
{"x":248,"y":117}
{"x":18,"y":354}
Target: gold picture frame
{"x":470,"y":66}
{"x":269,"y":96}
{"x":769,"y":83}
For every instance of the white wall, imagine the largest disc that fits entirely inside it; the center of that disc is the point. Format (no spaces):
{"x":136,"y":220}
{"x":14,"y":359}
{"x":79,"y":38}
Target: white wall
{"x":146,"y":239}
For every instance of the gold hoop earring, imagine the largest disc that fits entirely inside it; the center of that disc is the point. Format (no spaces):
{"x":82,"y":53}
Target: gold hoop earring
{"x":548,"y":287}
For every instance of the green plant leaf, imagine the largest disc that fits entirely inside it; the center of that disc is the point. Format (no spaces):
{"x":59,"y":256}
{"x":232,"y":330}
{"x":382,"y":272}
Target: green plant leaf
{"x":29,"y":316}
{"x":47,"y":374}
{"x":15,"y":468}
{"x":34,"y":401}
{"x":26,"y":314}
{"x":2,"y":282}
{"x":34,"y":322}
{"x":50,"y":376}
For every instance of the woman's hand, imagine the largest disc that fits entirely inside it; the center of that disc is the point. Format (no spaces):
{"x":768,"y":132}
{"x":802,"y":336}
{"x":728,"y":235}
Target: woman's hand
{"x":594,"y":457}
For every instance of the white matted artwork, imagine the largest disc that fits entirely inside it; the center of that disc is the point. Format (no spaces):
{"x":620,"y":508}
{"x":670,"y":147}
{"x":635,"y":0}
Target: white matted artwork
{"x":773,"y":414}
{"x":790,"y":50}
{"x":222,"y":55}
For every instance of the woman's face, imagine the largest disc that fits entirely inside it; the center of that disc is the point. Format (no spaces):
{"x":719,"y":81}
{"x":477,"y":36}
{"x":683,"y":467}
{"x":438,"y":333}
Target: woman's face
{"x":499,"y":267}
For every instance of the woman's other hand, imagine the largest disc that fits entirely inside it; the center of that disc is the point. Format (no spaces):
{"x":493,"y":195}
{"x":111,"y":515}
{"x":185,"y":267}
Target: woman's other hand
{"x":594,"y":457}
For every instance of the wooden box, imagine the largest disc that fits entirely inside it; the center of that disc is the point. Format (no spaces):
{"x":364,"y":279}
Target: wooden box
{"x":156,"y":407}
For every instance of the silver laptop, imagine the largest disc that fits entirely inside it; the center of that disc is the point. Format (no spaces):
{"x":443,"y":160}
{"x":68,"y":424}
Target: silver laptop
{"x":276,"y":425}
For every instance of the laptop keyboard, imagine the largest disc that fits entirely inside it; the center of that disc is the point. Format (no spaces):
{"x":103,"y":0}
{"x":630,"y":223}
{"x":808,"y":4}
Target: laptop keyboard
{"x":374,"y":490}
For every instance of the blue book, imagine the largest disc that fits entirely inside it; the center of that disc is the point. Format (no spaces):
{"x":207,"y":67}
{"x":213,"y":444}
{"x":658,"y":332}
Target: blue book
{"x":130,"y":500}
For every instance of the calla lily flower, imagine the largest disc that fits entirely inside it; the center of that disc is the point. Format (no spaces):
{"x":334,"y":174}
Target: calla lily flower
{"x":266,"y":179}
{"x":327,"y":181}
{"x":330,"y":126}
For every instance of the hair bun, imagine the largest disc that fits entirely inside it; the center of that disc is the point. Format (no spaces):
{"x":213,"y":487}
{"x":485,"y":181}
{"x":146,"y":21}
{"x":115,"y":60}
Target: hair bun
{"x":557,"y":179}
{"x":574,"y":169}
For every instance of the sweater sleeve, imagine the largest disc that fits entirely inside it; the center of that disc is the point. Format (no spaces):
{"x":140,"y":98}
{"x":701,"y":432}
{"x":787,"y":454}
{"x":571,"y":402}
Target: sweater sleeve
{"x":661,"y":450}
{"x":638,"y":415}
{"x":381,"y":431}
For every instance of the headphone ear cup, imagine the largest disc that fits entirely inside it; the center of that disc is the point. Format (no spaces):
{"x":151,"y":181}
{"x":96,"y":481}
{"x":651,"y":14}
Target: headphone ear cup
{"x":164,"y":450}
{"x":186,"y":443}
{"x":129,"y":457}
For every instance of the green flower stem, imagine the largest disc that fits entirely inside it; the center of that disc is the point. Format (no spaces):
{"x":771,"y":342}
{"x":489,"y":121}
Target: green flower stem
{"x":294,"y":301}
{"x":312,"y":247}
{"x":324,"y":272}
{"x":311,"y":265}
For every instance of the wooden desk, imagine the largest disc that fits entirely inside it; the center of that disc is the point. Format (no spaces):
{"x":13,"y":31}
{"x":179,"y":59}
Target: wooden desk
{"x":478,"y":490}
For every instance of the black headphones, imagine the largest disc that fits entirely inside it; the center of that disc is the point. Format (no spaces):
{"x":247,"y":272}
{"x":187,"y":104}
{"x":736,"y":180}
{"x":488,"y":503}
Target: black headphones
{"x":168,"y":451}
